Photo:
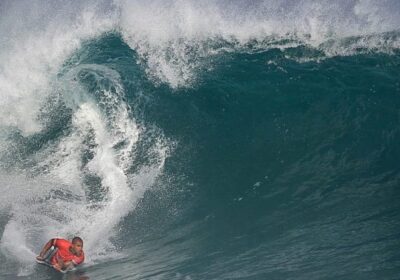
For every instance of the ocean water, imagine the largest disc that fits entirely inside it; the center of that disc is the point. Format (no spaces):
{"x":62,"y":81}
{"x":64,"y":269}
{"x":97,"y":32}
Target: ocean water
{"x":201,"y":139}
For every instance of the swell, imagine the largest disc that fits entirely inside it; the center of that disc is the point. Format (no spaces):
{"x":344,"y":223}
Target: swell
{"x":180,"y":136}
{"x":280,"y":164}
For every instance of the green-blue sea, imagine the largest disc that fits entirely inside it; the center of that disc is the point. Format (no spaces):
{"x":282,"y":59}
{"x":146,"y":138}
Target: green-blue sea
{"x":201,"y":140}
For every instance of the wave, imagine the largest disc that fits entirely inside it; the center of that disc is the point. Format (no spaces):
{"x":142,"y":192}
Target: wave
{"x":174,"y":38}
{"x":95,"y":97}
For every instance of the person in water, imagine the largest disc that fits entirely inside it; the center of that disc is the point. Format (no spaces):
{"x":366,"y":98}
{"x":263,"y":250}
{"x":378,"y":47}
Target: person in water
{"x":67,"y":254}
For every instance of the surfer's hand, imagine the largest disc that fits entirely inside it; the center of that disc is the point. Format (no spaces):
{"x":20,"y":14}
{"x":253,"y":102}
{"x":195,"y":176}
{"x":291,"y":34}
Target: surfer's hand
{"x":57,"y":267}
{"x":39,"y":258}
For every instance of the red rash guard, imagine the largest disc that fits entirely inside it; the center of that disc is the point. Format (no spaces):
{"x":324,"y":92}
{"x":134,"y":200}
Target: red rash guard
{"x":64,"y":253}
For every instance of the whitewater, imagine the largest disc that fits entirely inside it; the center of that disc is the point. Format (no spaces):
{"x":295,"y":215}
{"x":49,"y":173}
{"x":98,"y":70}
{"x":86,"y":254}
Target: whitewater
{"x":201,"y":139}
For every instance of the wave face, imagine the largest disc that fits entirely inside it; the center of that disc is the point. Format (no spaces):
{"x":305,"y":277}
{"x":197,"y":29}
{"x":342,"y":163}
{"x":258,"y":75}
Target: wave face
{"x":201,"y":140}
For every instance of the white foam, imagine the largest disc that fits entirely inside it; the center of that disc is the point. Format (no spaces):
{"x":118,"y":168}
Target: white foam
{"x":40,"y":37}
{"x":173,"y":38}
{"x":58,"y":202}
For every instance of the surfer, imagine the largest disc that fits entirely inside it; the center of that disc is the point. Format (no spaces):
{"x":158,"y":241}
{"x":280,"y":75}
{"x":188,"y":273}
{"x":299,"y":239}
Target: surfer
{"x":61,"y":254}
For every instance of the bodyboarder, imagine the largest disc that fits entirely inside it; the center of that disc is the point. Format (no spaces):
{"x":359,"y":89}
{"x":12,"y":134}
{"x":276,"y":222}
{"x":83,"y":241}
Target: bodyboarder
{"x":62,"y":254}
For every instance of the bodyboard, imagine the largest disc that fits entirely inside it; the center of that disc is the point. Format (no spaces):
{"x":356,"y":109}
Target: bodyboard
{"x":46,"y":259}
{"x":50,"y":265}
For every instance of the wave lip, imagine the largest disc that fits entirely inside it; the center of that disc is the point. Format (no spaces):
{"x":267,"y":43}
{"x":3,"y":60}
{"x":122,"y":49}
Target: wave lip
{"x":177,"y":39}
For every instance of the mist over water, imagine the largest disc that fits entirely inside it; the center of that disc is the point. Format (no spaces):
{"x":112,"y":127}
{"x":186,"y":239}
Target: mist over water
{"x":201,"y":140}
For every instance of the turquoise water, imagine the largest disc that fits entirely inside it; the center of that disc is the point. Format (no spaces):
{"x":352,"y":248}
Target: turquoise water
{"x":202,"y":141}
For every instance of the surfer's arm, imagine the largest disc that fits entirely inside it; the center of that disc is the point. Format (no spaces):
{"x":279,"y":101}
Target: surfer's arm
{"x":45,"y":249}
{"x":68,"y":265}
{"x":63,"y":266}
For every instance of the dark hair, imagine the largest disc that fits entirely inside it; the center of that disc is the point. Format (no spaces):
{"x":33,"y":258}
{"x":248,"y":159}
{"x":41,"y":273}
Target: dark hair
{"x":77,"y":239}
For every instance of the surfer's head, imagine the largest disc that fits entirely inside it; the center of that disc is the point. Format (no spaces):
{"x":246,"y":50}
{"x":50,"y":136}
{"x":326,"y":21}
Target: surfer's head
{"x":77,"y":245}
